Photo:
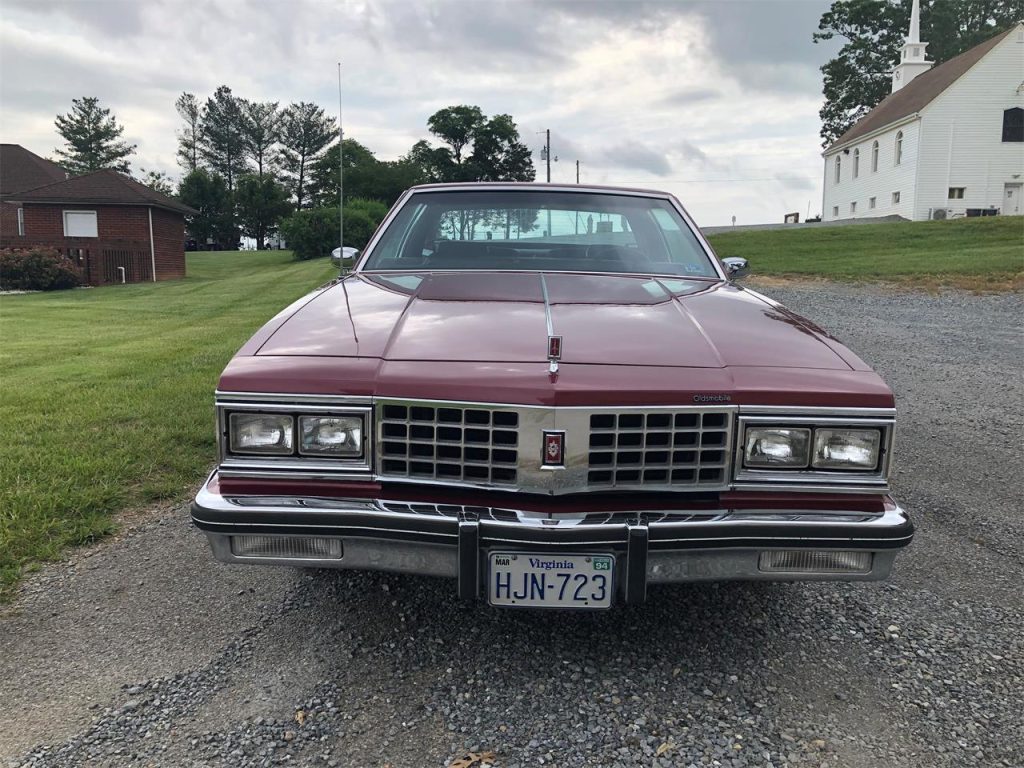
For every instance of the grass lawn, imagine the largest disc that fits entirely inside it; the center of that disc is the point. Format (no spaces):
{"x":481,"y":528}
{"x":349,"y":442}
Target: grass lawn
{"x":107,"y":393}
{"x":979,"y":254}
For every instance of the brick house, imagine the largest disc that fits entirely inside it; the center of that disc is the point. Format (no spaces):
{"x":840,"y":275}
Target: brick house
{"x":114,"y":228}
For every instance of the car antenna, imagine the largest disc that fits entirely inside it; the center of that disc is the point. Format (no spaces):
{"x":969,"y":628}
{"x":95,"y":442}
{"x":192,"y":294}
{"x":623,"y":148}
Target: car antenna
{"x":341,"y":186}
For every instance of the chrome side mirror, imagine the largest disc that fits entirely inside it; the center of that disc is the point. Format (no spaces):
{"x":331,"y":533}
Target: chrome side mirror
{"x":736,"y":267}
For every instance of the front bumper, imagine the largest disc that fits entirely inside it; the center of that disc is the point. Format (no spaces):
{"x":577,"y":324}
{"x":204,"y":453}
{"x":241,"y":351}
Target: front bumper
{"x":450,"y":540}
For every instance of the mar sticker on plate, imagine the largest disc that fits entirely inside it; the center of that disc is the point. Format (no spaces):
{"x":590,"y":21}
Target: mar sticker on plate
{"x":530,"y":580}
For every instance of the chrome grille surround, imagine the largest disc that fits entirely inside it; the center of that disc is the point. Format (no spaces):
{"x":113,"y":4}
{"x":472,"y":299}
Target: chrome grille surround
{"x":707,"y":470}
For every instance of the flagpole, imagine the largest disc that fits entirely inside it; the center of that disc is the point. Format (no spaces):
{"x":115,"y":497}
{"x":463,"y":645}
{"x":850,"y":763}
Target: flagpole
{"x":341,"y":186}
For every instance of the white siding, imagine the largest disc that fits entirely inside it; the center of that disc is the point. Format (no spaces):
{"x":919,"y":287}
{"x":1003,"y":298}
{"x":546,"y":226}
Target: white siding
{"x":961,"y":135}
{"x":879,"y":184}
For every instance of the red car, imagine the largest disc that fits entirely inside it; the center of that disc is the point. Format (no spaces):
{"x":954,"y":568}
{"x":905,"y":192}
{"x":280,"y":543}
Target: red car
{"x":555,"y":395}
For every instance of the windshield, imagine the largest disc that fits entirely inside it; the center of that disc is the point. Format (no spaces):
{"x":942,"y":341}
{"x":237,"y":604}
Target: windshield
{"x":539,"y":230}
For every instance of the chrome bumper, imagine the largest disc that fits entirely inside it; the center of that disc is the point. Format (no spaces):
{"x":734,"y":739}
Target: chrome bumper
{"x":651,"y":547}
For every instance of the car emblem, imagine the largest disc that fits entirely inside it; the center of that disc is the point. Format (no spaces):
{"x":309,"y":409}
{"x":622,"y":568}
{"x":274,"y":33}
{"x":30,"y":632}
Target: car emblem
{"x":554,"y":449}
{"x":554,"y":347}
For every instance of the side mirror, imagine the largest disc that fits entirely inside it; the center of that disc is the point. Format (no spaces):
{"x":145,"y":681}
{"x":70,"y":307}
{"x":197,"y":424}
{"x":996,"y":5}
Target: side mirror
{"x":736,"y":267}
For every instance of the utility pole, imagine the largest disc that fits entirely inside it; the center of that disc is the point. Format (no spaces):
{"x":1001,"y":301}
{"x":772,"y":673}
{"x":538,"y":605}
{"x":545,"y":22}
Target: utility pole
{"x":577,"y":171}
{"x":547,"y":152}
{"x":341,"y":183}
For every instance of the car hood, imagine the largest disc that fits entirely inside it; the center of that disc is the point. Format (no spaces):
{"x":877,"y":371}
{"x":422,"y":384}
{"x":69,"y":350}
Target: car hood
{"x":502,"y":317}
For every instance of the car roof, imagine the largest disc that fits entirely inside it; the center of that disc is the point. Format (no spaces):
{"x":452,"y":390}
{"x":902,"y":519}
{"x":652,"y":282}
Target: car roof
{"x":538,"y":186}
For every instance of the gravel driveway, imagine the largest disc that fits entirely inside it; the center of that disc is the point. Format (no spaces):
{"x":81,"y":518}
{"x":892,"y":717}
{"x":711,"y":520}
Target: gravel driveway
{"x":144,"y":652}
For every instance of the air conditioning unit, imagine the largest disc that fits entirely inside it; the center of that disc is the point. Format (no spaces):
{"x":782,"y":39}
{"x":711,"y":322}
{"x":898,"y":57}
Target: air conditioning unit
{"x":939,"y":214}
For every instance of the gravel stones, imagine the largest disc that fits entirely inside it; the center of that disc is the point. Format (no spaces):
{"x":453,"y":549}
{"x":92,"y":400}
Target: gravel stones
{"x":923,"y":671}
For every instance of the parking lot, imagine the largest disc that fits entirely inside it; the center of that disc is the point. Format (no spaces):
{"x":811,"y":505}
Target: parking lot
{"x":144,"y":651}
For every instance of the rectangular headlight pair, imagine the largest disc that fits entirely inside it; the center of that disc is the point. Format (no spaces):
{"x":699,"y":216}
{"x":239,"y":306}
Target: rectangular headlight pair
{"x":275,"y":434}
{"x":821,"y":448}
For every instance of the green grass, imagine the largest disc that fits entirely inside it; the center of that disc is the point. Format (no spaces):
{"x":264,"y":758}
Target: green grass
{"x":982,"y":253}
{"x":106,"y":394}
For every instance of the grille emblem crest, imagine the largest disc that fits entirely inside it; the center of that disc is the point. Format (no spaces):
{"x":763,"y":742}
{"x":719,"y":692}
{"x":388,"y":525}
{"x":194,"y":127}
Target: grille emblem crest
{"x":554,"y":449}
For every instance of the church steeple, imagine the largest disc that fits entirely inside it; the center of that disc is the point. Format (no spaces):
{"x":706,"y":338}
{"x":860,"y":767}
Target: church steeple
{"x":912,"y":60}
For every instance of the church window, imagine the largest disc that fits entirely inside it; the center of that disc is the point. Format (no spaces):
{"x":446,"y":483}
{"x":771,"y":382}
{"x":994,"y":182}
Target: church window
{"x":856,"y":163}
{"x":839,"y":166}
{"x":957,"y":193}
{"x":899,"y":148}
{"x":835,"y":211}
{"x":871,"y":202}
{"x":1013,"y":124}
{"x":895,"y":198}
{"x":853,"y":207}
{"x":874,"y":157}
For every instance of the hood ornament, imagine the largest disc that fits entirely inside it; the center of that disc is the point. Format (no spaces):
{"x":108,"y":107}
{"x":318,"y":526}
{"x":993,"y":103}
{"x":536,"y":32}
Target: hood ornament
{"x":554,"y":353}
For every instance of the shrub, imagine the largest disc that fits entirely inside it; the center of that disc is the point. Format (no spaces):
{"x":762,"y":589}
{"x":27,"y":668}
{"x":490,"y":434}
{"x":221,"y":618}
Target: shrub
{"x":314,"y":233}
{"x":37,"y":269}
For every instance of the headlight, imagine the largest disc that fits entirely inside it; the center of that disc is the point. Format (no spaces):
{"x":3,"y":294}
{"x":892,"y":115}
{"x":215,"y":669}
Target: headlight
{"x":846,"y":448}
{"x":776,"y":447}
{"x":261,"y":433}
{"x":340,"y":436}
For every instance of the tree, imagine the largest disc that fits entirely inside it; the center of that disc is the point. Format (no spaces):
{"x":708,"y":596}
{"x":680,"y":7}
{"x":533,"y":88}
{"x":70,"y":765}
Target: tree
{"x":260,"y":129}
{"x":189,"y":138}
{"x":93,"y":138}
{"x":365,"y":176}
{"x":305,"y":133}
{"x":495,"y":152}
{"x":313,"y":233}
{"x":157,"y":180}
{"x":261,"y":203}
{"x":208,"y":194}
{"x":456,"y":127}
{"x":859,"y":77}
{"x":222,"y":146}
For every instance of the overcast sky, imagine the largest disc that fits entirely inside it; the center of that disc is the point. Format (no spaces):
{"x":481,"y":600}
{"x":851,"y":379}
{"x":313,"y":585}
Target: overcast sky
{"x":716,"y":102}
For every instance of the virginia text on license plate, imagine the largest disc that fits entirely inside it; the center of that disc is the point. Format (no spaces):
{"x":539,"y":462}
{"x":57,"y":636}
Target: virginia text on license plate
{"x":550,"y":581}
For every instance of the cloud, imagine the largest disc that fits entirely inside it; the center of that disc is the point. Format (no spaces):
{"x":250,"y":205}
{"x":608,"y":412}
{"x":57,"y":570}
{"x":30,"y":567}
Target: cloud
{"x":636,"y":156}
{"x":696,"y":97}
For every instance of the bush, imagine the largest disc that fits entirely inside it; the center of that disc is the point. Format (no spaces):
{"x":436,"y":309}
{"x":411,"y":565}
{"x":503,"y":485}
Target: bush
{"x":314,"y":233}
{"x":37,"y":269}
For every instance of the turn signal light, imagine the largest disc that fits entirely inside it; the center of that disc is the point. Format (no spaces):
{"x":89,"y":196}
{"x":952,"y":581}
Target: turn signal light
{"x":287,"y":547}
{"x":814,"y":561}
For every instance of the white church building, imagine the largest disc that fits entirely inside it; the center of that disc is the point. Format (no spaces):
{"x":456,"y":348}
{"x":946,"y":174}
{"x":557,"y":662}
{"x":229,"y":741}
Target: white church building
{"x":947,"y":142}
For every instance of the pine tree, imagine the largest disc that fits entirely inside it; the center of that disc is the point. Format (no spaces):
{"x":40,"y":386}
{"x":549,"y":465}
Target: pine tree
{"x":93,"y":138}
{"x":305,"y":133}
{"x":260,"y":130}
{"x":189,"y":138}
{"x":222,"y":146}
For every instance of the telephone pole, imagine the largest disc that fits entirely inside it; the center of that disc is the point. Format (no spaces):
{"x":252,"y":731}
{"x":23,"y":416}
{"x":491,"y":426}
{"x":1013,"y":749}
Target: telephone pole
{"x":341,"y":182}
{"x":577,"y":171}
{"x":547,"y":152}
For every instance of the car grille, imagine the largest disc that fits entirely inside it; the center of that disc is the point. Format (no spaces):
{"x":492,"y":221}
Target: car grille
{"x":453,"y":444}
{"x":683,"y":449}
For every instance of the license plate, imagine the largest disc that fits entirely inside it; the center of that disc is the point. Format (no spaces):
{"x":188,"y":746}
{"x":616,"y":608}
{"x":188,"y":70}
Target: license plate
{"x":530,"y":580}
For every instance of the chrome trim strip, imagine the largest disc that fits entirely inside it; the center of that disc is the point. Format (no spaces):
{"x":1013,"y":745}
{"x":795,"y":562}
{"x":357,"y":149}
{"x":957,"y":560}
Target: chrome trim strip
{"x":804,"y":410}
{"x":235,"y":398}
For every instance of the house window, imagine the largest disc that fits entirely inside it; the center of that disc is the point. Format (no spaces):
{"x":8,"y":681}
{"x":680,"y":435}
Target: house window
{"x":856,"y":163}
{"x":874,"y":157}
{"x":957,"y":193}
{"x":1013,"y":124}
{"x":21,"y":222}
{"x":871,"y":203}
{"x":853,"y":207}
{"x":839,"y":165}
{"x":899,"y":148}
{"x":80,"y":224}
{"x":835,"y":211}
{"x":895,"y":198}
